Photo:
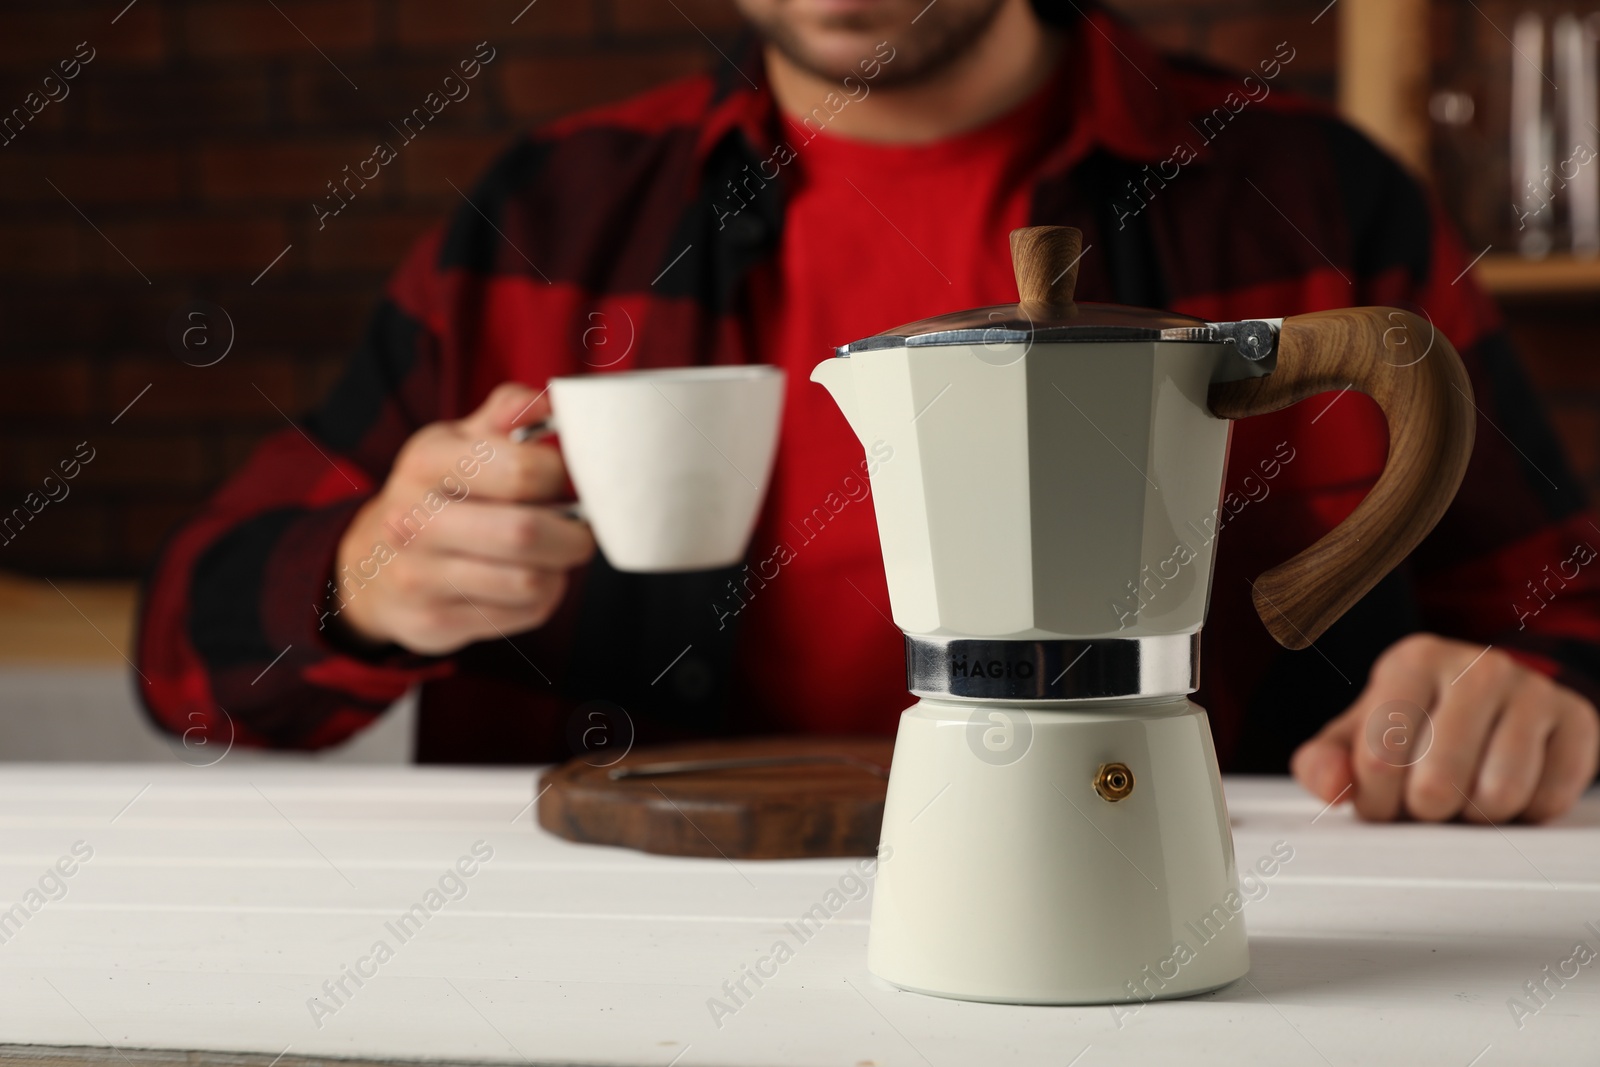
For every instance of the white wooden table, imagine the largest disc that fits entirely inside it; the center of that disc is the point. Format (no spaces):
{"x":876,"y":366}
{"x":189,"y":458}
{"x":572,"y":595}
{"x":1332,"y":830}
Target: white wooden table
{"x":219,"y":900}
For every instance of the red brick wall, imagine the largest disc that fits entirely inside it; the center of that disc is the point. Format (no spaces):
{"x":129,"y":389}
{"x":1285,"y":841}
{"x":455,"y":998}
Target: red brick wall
{"x":194,"y":142}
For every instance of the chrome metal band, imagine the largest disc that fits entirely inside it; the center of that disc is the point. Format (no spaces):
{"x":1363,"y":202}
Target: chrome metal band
{"x":1102,"y":669}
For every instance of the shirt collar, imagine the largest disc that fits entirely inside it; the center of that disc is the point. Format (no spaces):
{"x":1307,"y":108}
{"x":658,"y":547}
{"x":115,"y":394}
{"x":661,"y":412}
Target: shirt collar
{"x":1123,"y":96}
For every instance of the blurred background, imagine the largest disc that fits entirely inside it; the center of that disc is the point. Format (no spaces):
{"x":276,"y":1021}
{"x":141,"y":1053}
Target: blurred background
{"x":180,"y":164}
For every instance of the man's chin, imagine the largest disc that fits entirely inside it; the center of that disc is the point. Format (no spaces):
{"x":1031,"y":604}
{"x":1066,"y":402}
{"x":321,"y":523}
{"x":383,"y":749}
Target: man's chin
{"x":831,"y":39}
{"x":835,"y":53}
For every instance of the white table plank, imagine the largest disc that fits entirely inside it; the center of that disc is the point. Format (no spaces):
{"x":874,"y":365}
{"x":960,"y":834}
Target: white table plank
{"x":220,"y":900}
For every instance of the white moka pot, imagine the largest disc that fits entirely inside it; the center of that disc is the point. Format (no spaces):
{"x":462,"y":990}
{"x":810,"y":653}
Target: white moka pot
{"x":1047,"y":497}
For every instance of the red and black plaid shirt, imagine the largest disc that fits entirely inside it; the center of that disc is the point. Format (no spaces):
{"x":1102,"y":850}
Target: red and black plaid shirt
{"x":1284,"y":211}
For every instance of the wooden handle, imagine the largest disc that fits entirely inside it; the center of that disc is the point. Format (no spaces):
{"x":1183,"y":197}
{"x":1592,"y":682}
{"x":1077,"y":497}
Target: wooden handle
{"x":1045,"y":261}
{"x":1415,"y":375}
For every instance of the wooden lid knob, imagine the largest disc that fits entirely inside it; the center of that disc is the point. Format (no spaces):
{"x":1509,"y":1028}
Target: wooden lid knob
{"x":1045,"y":260}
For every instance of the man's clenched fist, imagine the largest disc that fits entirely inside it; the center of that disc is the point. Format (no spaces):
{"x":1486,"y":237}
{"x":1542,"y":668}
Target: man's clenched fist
{"x":1445,"y":729}
{"x":456,"y":547}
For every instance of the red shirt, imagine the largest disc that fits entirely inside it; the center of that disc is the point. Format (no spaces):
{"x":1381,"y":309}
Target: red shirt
{"x":876,"y":235}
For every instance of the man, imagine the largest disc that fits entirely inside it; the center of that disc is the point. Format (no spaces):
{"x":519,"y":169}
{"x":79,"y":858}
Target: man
{"x":858,"y":170}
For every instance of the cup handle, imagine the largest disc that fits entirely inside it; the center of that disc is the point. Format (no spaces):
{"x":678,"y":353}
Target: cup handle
{"x":1416,"y":376}
{"x":535,"y":431}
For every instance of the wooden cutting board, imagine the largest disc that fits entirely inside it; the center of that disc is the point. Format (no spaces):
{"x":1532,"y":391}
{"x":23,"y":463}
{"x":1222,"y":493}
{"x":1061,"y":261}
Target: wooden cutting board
{"x":756,"y":798}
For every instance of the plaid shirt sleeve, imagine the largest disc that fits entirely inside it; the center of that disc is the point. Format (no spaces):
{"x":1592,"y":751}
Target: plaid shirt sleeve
{"x":233,"y":641}
{"x":1511,"y":564}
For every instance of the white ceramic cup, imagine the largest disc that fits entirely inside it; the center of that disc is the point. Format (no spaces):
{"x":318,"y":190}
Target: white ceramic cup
{"x":670,"y":465}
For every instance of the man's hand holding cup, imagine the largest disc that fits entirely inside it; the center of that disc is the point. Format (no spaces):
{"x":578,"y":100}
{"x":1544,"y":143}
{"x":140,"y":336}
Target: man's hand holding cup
{"x":494,"y":561}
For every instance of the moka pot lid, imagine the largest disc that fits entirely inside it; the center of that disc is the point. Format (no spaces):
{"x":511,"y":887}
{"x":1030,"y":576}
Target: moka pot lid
{"x":1045,"y":259}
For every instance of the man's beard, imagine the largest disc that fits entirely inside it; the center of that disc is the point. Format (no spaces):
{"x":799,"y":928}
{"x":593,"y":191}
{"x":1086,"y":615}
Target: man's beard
{"x":940,"y":36}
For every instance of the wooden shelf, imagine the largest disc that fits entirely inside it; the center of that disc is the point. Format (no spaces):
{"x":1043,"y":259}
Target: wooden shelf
{"x":1385,"y":65}
{"x":1507,"y":274}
